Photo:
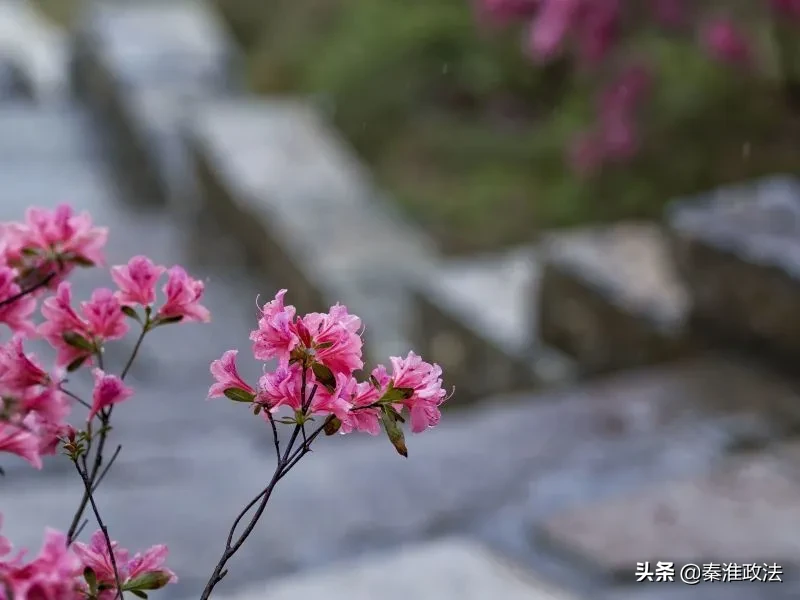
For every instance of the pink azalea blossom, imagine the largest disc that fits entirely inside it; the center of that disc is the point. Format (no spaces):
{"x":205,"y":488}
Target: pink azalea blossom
{"x":283,"y":387}
{"x":53,"y":574}
{"x":596,"y":28}
{"x":102,"y":320}
{"x":19,"y":371}
{"x":726,"y":43}
{"x":425,"y":380}
{"x":550,"y":27}
{"x":137,"y":281}
{"x":275,"y":337}
{"x":183,"y":297}
{"x":108,"y":390}
{"x":20,"y":440}
{"x":360,"y":395}
{"x":55,"y":241}
{"x":227,"y":376}
{"x":131,"y":570}
{"x":16,"y":314}
{"x":786,"y":8}
{"x":333,"y":338}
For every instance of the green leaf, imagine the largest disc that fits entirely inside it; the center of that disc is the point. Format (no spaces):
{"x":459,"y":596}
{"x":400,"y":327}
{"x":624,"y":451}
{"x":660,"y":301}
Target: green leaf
{"x":324,"y":345}
{"x":91,"y":580}
{"x":257,"y":409}
{"x":394,"y":432}
{"x":239,"y":395}
{"x":332,"y":426}
{"x":374,"y":381}
{"x":167,"y":320}
{"x":324,"y":376}
{"x":81,"y":261}
{"x":130,"y":312}
{"x":77,"y":341}
{"x":138,"y":593}
{"x":153,"y":580}
{"x":394,"y":394}
{"x":76,"y":364}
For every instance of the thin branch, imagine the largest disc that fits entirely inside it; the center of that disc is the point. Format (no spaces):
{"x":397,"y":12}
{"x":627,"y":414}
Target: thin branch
{"x":271,"y":419}
{"x":102,"y":474}
{"x":75,"y":397}
{"x":27,"y":291}
{"x":88,"y":487}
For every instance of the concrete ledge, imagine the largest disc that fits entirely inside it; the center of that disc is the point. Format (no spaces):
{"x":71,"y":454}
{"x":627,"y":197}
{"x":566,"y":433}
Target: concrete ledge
{"x":142,"y":66}
{"x":307,"y":212}
{"x":611,"y":298}
{"x":738,"y":250}
{"x":37,"y":50}
{"x":451,"y":569}
{"x":474,"y":320}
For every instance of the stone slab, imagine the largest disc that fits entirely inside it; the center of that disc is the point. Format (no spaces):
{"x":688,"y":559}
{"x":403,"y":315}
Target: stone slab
{"x":307,"y":210}
{"x":38,"y":50}
{"x":745,"y":511}
{"x":738,"y":249}
{"x":450,"y":569}
{"x":473,"y":318}
{"x":611,"y":298}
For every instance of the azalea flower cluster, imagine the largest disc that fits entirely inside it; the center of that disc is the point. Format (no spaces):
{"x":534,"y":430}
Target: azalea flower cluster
{"x":80,"y":571}
{"x":318,"y":355}
{"x":50,"y":244}
{"x":593,"y":28}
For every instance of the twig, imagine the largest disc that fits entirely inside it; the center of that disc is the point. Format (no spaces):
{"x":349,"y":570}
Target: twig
{"x":102,"y":474}
{"x":285,"y":463}
{"x":88,"y":487}
{"x":75,"y":397}
{"x":29,"y":290}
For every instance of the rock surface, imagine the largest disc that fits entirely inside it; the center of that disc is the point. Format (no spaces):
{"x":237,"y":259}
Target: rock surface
{"x":610,"y":297}
{"x":450,"y":569}
{"x":739,"y":251}
{"x":305,"y":208}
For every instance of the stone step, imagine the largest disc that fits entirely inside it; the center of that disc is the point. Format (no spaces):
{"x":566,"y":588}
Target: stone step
{"x":450,"y":569}
{"x":37,"y":50}
{"x":496,"y":474}
{"x":306,"y":209}
{"x":474,"y":319}
{"x":142,"y":65}
{"x":738,"y":250}
{"x":610,"y":297}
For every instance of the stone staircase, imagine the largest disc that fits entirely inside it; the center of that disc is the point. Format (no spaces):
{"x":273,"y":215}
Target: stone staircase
{"x":609,"y":421}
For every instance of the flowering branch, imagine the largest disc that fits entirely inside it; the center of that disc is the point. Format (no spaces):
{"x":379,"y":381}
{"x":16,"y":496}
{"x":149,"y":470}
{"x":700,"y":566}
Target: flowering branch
{"x":88,"y":487}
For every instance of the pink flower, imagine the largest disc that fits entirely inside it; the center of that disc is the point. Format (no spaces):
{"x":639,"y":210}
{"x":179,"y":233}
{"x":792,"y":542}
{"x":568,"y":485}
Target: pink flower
{"x":108,"y":390}
{"x":50,"y":433}
{"x":19,"y":371}
{"x":55,"y":240}
{"x":359,"y":396}
{"x":275,"y":337}
{"x":551,"y":25}
{"x":143,"y":571}
{"x":150,"y":567}
{"x":425,"y":381}
{"x":20,"y":440}
{"x":726,"y":43}
{"x":15,"y":314}
{"x":183,"y":297}
{"x":52,"y":574}
{"x":282,"y":387}
{"x":102,"y":320}
{"x":137,"y":281}
{"x":506,"y":10}
{"x":227,"y":376}
{"x":104,"y":315}
{"x":596,"y":28}
{"x":787,"y":8}
{"x":333,"y":338}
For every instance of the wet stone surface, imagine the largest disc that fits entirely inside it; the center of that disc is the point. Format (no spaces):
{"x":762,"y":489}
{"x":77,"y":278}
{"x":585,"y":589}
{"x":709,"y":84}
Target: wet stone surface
{"x":474,"y":320}
{"x":739,"y":252}
{"x":611,"y":298}
{"x":305,"y":208}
